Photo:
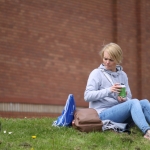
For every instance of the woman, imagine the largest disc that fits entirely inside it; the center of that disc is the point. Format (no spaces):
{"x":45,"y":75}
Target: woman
{"x":103,"y":88}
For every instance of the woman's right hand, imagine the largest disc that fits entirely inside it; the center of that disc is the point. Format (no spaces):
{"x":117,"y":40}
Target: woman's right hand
{"x":116,"y":88}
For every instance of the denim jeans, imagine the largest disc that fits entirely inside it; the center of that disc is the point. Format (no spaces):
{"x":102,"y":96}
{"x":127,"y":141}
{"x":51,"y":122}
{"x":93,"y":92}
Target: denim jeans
{"x":138,"y":110}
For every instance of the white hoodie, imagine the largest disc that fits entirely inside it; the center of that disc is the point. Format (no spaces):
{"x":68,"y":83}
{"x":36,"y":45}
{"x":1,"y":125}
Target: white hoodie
{"x":98,"y":92}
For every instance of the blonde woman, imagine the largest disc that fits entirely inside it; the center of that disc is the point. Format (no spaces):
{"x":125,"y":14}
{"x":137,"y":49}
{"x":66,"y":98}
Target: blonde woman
{"x":103,"y":88}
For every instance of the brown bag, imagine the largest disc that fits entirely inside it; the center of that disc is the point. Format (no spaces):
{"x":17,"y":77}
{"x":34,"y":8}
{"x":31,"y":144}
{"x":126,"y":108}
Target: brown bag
{"x":87,"y":120}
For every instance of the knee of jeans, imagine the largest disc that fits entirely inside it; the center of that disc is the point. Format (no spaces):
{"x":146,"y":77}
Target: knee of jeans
{"x":133,"y":102}
{"x":144,"y":102}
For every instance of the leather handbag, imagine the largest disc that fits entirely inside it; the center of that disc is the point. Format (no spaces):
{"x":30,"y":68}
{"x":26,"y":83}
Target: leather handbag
{"x":87,"y":120}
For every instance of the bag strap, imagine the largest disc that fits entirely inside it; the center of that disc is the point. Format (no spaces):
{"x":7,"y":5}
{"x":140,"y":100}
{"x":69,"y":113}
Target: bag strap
{"x":107,"y":76}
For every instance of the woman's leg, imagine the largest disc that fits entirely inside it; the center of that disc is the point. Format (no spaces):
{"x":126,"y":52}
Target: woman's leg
{"x":130,"y":121}
{"x":119,"y":113}
{"x":146,"y":109}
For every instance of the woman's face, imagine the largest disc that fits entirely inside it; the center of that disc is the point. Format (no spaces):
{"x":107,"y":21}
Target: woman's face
{"x":108,"y":62}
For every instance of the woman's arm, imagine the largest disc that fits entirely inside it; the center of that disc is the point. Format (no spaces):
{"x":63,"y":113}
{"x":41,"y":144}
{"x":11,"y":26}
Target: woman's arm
{"x":93,"y":92}
{"x":129,"y":95}
{"x":128,"y":91}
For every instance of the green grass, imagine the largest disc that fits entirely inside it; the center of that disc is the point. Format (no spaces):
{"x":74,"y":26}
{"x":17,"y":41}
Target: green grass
{"x":64,"y":138}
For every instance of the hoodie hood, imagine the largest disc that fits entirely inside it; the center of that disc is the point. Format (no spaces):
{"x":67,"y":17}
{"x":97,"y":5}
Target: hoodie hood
{"x":114,"y":74}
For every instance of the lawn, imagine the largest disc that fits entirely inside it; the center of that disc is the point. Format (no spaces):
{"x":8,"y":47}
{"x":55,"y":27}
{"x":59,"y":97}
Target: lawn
{"x":16,"y":134}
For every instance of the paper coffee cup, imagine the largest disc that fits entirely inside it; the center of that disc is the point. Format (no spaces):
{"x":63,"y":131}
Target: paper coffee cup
{"x":123,"y":91}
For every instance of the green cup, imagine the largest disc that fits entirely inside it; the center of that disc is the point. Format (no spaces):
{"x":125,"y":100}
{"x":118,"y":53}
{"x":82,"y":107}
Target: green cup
{"x":123,"y":91}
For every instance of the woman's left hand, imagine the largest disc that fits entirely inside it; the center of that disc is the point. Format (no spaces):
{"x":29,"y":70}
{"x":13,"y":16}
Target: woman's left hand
{"x":121,"y":99}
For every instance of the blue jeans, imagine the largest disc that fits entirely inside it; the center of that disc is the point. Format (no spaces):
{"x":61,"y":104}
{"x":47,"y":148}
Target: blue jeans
{"x":138,"y":110}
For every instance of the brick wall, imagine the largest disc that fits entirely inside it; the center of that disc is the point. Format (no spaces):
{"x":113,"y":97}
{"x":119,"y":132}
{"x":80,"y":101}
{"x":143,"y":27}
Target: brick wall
{"x":145,"y":45}
{"x":127,"y":37}
{"x":133,"y":36}
{"x":48,"y":48}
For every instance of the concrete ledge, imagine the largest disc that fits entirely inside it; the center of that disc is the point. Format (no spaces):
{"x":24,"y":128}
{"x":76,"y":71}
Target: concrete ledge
{"x":17,"y":107}
{"x":17,"y":110}
{"x":9,"y":114}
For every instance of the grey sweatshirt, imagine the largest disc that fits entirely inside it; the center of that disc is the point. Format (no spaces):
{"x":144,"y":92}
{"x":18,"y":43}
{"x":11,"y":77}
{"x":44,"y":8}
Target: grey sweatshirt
{"x":98,"y":92}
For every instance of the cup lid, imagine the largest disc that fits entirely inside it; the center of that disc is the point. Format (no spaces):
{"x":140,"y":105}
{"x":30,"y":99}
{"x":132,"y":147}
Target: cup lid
{"x":123,"y":86}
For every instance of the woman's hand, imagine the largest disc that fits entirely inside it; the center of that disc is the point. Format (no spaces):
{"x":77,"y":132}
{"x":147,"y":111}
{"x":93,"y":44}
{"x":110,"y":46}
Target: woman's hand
{"x":116,"y":88}
{"x":121,"y":99}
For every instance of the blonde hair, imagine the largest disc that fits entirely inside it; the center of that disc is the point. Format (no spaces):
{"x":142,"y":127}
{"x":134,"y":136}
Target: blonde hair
{"x":114,"y":51}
